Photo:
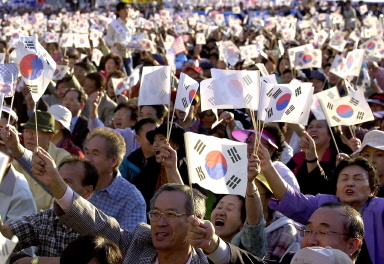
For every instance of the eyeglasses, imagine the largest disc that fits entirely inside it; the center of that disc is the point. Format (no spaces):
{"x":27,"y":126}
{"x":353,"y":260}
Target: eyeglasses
{"x":121,"y":115}
{"x":171,"y":217}
{"x":320,"y":233}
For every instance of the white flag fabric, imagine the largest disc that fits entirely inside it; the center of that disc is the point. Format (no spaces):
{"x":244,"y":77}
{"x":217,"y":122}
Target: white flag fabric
{"x":35,"y":64}
{"x":60,"y":72}
{"x":374,"y":48}
{"x":347,"y":111}
{"x":292,"y":53}
{"x":219,"y":165}
{"x":200,"y":38}
{"x":120,"y":85}
{"x":186,"y":92}
{"x":285,"y":103}
{"x":3,"y":162}
{"x":308,"y":59}
{"x":51,"y":37}
{"x":6,"y":247}
{"x":237,"y":88}
{"x":316,"y":109}
{"x":96,"y":56}
{"x":338,"y":42}
{"x":155,"y":86}
{"x":66,"y":40}
{"x":207,"y":96}
{"x":349,"y":66}
{"x":82,"y":41}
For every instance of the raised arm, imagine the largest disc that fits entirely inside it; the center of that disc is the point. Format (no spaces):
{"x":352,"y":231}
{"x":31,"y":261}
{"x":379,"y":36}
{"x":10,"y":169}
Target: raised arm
{"x":275,"y":181}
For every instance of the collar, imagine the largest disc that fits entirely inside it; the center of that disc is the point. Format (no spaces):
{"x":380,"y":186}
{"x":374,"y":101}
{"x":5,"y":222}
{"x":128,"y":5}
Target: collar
{"x":113,"y":188}
{"x":8,"y":183}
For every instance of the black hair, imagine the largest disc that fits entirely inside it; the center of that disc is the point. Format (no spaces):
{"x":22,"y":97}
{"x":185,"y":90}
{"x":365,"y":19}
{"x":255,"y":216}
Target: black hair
{"x":91,"y":175}
{"x":143,"y":122}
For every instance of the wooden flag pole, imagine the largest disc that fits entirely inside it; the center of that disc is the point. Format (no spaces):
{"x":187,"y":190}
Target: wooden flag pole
{"x":334,"y":140}
{"x":352,"y":133}
{"x":9,"y":116}
{"x":37,"y":135}
{"x":261,"y":132}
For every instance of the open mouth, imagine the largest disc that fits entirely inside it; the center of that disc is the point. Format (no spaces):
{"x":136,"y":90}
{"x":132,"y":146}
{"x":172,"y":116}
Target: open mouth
{"x":219,"y":223}
{"x":157,"y":152}
{"x":349,"y":191}
{"x":162,"y":234}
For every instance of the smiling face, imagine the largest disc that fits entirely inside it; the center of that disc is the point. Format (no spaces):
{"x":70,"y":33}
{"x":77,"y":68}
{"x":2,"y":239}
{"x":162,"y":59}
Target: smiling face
{"x":353,"y":186}
{"x":122,"y":118}
{"x":226,"y":217}
{"x":318,"y":130}
{"x":170,"y":236}
{"x":110,"y":66}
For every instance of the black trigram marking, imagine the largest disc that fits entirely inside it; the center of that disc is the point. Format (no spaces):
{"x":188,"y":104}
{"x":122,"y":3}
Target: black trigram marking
{"x":331,"y":95}
{"x":298,"y":91}
{"x":200,"y":173}
{"x":248,"y":98}
{"x":212,"y":100}
{"x":163,"y":76}
{"x":247,"y":80}
{"x":235,"y":157}
{"x":210,"y":86}
{"x":330,"y":106}
{"x":354,"y":101}
{"x":29,"y":45}
{"x":162,"y":93}
{"x":269,"y":112}
{"x":186,"y":86}
{"x":289,"y":110}
{"x":200,"y":146}
{"x":277,"y":93}
{"x":335,"y":118}
{"x":360,"y":115}
{"x":33,"y":88}
{"x":184,"y":101}
{"x":270,"y":92}
{"x":233,"y":182}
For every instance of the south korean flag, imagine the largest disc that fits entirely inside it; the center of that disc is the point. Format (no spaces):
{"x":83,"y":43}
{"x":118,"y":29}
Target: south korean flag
{"x":219,"y":165}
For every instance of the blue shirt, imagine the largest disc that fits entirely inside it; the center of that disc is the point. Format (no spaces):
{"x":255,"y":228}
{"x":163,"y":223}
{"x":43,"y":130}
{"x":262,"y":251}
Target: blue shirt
{"x":122,"y":201}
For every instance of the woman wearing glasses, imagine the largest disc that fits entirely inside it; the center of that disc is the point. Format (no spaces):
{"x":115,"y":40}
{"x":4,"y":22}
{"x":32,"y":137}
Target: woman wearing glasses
{"x":356,"y":185}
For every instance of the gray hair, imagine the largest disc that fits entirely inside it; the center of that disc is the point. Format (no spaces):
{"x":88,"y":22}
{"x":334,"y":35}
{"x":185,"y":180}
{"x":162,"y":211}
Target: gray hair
{"x":198,"y":198}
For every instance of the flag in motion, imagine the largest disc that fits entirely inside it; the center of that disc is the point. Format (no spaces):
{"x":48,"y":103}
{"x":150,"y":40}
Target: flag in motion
{"x":219,"y":165}
{"x":36,"y":65}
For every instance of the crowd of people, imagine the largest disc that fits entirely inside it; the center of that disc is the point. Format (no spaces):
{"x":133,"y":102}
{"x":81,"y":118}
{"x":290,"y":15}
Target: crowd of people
{"x":94,"y":177}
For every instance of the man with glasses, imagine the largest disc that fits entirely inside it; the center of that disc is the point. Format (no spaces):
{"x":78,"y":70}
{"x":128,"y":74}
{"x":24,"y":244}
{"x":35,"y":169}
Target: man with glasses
{"x":334,"y":225}
{"x":163,"y":241}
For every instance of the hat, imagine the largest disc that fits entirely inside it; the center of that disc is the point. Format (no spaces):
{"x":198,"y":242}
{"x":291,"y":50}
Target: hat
{"x":205,"y":64}
{"x":376,"y":99}
{"x":374,"y":139}
{"x":45,"y":122}
{"x":195,"y":69}
{"x":242,"y":136}
{"x":378,"y":114}
{"x":62,"y":115}
{"x":319,"y":255}
{"x":317,"y":75}
{"x":177,"y":135}
{"x":10,"y":112}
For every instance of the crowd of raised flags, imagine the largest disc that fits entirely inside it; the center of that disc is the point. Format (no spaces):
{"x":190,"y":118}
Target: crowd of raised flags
{"x":216,"y":164}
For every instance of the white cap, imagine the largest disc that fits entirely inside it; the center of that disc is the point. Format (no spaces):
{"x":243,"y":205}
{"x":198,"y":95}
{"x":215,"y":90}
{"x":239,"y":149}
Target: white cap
{"x":10,"y":112}
{"x":61,"y":114}
{"x":319,"y":255}
{"x":374,"y":138}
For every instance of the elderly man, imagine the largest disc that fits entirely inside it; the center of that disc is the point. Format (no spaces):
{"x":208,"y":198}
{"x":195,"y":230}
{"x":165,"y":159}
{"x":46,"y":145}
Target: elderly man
{"x":45,"y":128}
{"x":164,"y":241}
{"x":43,"y":229}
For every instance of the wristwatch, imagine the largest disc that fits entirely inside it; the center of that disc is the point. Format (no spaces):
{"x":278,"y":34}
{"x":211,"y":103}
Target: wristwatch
{"x":35,"y":260}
